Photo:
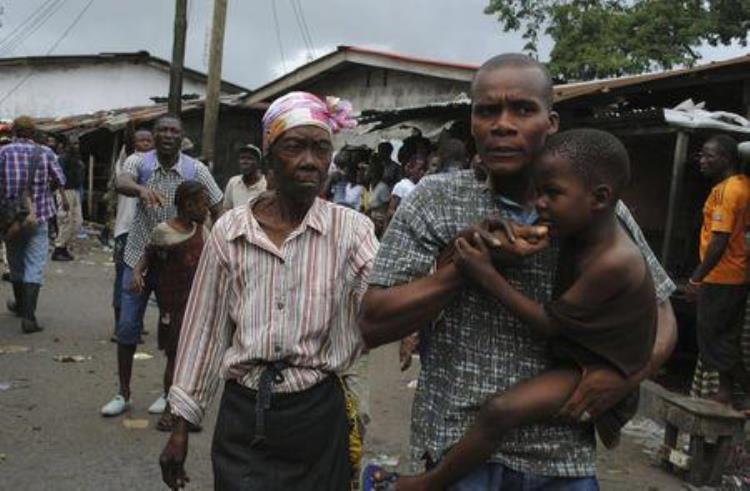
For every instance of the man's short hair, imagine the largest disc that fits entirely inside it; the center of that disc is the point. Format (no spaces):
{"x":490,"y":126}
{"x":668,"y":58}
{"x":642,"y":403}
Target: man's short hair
{"x":597,"y":156}
{"x":165,"y":117}
{"x":24,"y":125}
{"x":726,"y":146}
{"x":518,"y":60}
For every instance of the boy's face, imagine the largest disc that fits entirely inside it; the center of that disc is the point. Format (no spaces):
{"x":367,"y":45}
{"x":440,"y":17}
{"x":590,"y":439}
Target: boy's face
{"x":248,"y":163}
{"x":564,"y":201}
{"x":196,"y":208}
{"x":510,"y":119}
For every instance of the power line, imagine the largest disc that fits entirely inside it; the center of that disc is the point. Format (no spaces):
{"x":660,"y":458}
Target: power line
{"x":26,"y":21}
{"x":32,"y":28}
{"x":278,"y":35}
{"x":50,"y":50}
{"x":302,"y":32}
{"x":306,"y":26}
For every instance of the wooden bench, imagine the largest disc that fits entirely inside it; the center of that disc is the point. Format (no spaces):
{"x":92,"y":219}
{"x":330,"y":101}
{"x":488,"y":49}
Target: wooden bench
{"x":714,"y":431}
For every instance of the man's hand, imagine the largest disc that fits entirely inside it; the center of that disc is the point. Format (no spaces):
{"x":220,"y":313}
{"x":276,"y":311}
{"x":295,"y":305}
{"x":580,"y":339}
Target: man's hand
{"x":152,"y":198}
{"x":138,"y":283}
{"x":600,"y":388}
{"x":406,"y":348}
{"x":691,"y":291}
{"x":172,"y":458}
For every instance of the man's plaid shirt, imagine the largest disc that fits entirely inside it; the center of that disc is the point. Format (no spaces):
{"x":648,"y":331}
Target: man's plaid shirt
{"x":164,"y":181}
{"x":480,"y":348}
{"x":15,"y":163}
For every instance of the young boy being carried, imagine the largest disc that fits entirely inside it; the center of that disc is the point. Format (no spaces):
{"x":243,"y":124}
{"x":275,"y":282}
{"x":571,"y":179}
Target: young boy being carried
{"x":604,"y":310}
{"x":173,"y":252}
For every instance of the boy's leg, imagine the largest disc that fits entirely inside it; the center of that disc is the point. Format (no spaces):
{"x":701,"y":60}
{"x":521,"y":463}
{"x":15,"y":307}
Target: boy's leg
{"x":537,"y":399}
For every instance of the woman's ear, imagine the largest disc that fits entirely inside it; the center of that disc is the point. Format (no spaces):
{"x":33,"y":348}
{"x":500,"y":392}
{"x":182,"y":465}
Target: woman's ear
{"x":603,"y":196}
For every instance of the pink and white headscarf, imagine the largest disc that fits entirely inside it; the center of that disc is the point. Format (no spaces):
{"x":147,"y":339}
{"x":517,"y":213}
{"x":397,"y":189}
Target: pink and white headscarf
{"x":304,"y":109}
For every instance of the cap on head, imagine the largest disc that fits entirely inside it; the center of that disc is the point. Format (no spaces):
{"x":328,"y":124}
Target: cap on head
{"x":250,"y":148}
{"x":304,"y":109}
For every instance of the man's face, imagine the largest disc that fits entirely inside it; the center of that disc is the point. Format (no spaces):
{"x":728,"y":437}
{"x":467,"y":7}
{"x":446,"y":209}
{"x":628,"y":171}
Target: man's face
{"x":509,"y":118}
{"x":52,"y":143}
{"x":710,"y":161}
{"x":564,"y":201}
{"x":248,"y":163}
{"x":144,"y":141}
{"x":302,"y":156}
{"x":168,"y":136}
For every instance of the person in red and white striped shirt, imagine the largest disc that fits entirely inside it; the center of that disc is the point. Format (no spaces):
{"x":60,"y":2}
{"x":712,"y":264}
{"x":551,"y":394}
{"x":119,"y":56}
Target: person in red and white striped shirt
{"x":273,"y":312}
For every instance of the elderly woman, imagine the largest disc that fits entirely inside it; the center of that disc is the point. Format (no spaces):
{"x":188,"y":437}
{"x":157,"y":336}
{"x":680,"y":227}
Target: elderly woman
{"x":272,"y":312}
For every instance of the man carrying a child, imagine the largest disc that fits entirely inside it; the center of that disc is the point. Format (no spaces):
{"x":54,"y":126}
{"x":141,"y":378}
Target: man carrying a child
{"x":480,"y":348}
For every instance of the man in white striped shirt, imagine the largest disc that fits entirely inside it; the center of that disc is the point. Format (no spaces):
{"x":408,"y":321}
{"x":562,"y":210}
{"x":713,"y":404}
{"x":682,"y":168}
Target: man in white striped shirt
{"x":273,"y":312}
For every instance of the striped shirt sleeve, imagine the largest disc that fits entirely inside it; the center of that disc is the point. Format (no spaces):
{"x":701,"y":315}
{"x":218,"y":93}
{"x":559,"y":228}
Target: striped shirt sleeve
{"x":206,"y":333}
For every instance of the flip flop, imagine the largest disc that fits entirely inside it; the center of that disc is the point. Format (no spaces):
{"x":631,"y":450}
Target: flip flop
{"x":375,"y":478}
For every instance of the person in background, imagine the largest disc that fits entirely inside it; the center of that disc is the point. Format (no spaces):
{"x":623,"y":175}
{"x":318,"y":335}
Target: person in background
{"x":719,"y":282}
{"x":70,"y":218}
{"x":452,"y":156}
{"x":378,"y":196}
{"x":27,"y":253}
{"x":5,"y":138}
{"x":172,"y":254}
{"x":249,"y":183}
{"x":391,"y":168}
{"x":153,"y":177}
{"x":414,"y":170}
{"x":143,"y":141}
{"x":354,"y":189}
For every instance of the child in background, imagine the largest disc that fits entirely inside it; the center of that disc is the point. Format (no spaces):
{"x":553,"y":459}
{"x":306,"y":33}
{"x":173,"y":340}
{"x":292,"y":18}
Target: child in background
{"x":173,"y":252}
{"x":604,"y":309}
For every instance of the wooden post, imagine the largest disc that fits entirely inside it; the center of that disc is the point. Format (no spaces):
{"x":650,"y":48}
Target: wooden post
{"x":90,"y":195}
{"x":178,"y":57}
{"x":678,"y":171}
{"x":213,"y":91}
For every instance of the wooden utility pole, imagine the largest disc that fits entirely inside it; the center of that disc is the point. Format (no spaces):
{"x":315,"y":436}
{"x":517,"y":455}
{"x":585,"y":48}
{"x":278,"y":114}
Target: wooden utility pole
{"x":213,"y":91}
{"x":178,"y":57}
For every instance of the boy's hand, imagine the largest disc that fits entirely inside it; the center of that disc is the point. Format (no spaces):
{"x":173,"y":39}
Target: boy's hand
{"x":473,"y":258}
{"x":406,"y":348}
{"x":600,"y":388}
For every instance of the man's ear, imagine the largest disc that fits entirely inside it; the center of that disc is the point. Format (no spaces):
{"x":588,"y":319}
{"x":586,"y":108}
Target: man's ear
{"x":602,"y":196}
{"x":554,"y":122}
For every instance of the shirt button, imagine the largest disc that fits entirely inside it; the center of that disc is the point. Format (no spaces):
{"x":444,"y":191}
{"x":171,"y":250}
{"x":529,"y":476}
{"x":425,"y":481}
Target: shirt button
{"x":280,"y":305}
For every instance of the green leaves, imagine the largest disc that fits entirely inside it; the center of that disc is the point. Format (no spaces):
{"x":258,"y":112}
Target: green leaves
{"x":609,"y":38}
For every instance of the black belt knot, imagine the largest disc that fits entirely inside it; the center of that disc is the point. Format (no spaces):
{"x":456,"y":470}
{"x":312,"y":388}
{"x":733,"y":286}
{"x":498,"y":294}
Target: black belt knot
{"x":270,"y":375}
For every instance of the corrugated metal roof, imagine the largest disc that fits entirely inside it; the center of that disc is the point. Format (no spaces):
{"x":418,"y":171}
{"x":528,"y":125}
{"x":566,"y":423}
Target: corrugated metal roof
{"x":566,"y":92}
{"x":117,"y":119}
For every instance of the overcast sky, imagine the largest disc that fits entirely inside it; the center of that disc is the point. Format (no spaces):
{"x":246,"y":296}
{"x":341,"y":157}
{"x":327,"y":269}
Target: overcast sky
{"x":453,"y":30}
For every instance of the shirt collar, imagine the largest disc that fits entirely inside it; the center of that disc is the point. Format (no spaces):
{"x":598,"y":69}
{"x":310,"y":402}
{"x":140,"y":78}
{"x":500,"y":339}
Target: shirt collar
{"x":178,"y":167}
{"x":516,"y":211}
{"x":246,"y":224}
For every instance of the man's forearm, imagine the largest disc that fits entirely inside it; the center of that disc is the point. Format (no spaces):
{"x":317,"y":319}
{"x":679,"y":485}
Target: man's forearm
{"x":389,"y":314}
{"x":666,"y":339}
{"x":715,"y":250}
{"x":126,"y":185}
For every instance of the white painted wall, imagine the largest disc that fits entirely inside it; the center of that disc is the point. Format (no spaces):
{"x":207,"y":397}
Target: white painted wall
{"x":67,"y":90}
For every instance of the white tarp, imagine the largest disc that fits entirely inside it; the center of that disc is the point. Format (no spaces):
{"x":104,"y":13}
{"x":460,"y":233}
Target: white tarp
{"x":690,"y":115}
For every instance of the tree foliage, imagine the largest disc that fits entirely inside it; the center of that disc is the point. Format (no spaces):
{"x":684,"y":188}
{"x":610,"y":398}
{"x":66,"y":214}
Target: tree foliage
{"x":606,"y":38}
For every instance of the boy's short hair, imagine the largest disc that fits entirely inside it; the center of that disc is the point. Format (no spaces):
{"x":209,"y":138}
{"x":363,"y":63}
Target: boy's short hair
{"x":186,"y":191}
{"x":595,"y":155}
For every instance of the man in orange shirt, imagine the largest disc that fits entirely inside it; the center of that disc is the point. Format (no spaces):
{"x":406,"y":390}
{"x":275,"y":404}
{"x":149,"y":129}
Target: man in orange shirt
{"x":720,"y":281}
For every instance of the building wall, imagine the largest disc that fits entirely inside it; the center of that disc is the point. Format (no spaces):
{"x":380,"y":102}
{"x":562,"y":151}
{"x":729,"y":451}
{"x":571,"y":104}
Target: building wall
{"x":376,"y":88}
{"x":65,"y":90}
